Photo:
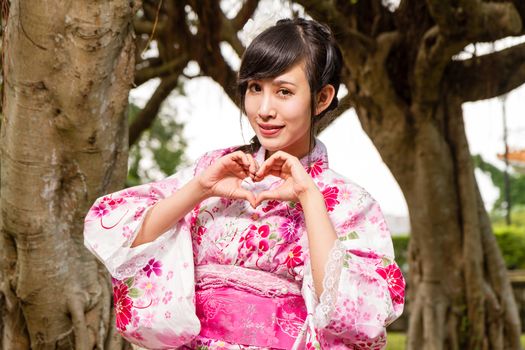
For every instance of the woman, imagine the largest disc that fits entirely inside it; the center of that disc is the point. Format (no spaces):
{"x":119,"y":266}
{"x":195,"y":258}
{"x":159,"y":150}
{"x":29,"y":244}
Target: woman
{"x":286,"y":252}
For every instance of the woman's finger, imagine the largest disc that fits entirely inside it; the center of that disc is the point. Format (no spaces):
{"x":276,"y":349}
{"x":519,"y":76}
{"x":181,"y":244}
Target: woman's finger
{"x":253,"y":164}
{"x":265,"y":195}
{"x":249,"y":196}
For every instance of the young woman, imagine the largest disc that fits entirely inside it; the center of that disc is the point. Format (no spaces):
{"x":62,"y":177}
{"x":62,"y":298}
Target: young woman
{"x":287,"y":254}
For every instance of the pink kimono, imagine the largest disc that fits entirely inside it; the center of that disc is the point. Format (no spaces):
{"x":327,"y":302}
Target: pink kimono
{"x":246,"y":271}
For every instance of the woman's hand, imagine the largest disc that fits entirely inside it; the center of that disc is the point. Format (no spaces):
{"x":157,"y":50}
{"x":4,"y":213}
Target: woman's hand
{"x":297,"y":181}
{"x":223,"y":178}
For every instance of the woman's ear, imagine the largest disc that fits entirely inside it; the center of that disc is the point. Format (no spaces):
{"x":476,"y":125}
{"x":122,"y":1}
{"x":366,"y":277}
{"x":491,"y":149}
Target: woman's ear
{"x":324,"y":98}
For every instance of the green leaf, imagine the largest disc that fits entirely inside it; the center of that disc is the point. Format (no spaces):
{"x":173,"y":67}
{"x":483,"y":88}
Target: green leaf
{"x":135,"y":293}
{"x":129,"y":282}
{"x":353,"y":235}
{"x":272,"y":236}
{"x":350,"y":235}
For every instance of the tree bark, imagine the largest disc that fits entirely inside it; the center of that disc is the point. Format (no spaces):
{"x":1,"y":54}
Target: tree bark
{"x":68,"y":69}
{"x":407,"y":92}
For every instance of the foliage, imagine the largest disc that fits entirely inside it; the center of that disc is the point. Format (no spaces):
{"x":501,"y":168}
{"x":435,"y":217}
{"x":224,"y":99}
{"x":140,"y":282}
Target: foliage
{"x":401,"y":251}
{"x":397,"y":341}
{"x":517,"y":187}
{"x":511,"y":240}
{"x":160,"y":150}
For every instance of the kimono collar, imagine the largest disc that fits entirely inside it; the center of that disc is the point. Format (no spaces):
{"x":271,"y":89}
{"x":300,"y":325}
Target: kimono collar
{"x":318,"y":157}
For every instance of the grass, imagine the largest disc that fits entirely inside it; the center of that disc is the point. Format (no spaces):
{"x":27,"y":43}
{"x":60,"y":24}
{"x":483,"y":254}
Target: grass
{"x":396,"y":341}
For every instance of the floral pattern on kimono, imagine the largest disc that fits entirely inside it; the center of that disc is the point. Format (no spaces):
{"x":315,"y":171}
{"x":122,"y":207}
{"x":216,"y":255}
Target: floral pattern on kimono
{"x":363,"y":287}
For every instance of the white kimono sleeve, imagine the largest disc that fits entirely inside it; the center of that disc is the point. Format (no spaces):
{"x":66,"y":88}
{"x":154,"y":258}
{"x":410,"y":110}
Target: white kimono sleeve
{"x":114,"y":220}
{"x":363,"y":287}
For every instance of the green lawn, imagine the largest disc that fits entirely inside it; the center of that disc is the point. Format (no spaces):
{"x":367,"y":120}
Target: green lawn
{"x":396,"y":341}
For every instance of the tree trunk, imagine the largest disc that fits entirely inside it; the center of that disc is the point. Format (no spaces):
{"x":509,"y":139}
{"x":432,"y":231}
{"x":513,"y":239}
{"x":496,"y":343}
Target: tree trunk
{"x":459,"y":292}
{"x":68,"y":68}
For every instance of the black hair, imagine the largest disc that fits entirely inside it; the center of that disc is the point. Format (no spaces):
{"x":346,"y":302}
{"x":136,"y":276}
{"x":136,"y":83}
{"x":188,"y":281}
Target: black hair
{"x":285,"y":44}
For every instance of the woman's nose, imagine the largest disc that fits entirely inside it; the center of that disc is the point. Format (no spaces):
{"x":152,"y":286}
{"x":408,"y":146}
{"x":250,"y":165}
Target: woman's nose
{"x":266,"y":109}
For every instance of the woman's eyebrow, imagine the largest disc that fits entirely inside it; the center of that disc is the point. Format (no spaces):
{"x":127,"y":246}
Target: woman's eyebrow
{"x":280,"y":82}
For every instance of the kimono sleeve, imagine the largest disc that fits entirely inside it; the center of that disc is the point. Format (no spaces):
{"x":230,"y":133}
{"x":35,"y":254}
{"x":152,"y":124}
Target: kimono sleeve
{"x":363,"y":286}
{"x":114,"y":221}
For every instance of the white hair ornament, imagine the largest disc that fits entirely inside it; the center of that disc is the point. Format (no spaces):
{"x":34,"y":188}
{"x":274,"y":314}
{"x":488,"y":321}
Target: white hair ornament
{"x":252,"y":28}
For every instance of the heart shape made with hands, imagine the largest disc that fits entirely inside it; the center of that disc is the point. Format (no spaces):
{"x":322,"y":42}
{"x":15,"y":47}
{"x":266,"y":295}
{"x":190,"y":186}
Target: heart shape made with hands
{"x":281,"y":165}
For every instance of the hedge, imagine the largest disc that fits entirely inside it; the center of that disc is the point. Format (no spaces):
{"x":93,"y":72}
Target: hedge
{"x":511,"y":240}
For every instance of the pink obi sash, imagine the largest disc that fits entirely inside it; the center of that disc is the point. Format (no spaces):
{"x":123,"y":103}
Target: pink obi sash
{"x":261,"y":310}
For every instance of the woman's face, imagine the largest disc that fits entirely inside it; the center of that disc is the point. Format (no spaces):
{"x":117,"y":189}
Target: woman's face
{"x":279,"y":111}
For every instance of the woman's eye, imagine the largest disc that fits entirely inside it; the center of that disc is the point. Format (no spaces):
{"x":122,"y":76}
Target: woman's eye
{"x":285,"y":92}
{"x":254,"y":87}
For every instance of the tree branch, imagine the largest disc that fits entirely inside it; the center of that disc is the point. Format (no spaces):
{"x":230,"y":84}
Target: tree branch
{"x":206,"y":49}
{"x":328,"y":118}
{"x":146,"y":27}
{"x":476,"y":20}
{"x":244,"y":14}
{"x":470,"y":21}
{"x":176,"y":65}
{"x":489,"y":75}
{"x":229,"y":34}
{"x":347,"y":36}
{"x":434,"y":53}
{"x":148,"y":114}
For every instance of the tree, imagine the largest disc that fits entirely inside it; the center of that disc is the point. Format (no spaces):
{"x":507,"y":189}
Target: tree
{"x":161,"y":146}
{"x":67,"y":71}
{"x":407,"y":84}
{"x":517,"y":190}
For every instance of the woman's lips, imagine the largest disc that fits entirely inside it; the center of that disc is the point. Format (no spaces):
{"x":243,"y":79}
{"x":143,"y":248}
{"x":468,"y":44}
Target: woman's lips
{"x":270,"y":130}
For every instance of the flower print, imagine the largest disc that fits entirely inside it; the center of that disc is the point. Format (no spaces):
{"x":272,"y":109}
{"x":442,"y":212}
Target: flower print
{"x":147,"y":321}
{"x":147,"y":286}
{"x":126,"y":232}
{"x":289,"y":229}
{"x":345,"y":194}
{"x":200,"y":231}
{"x":270,"y":205}
{"x":366,"y":253}
{"x":153,"y":266}
{"x":255,"y":216}
{"x":138,"y":213}
{"x":167,"y":297}
{"x":167,"y":314}
{"x":170,"y":338}
{"x":137,"y":335}
{"x":129,"y":192}
{"x":356,"y":220}
{"x":313,"y":345}
{"x":123,"y":305}
{"x":100,"y":209}
{"x":330,"y":197}
{"x":256,"y":238}
{"x":219,"y":345}
{"x":315,"y":168}
{"x":294,"y":257}
{"x":169,"y":275}
{"x":135,"y":318}
{"x":112,"y":202}
{"x":396,"y":283}
{"x":226,"y":202}
{"x":153,"y":192}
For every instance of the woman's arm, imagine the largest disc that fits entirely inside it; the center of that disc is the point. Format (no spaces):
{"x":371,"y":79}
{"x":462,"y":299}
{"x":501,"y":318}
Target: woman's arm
{"x":321,"y":233}
{"x":223,"y":179}
{"x":168,"y":211}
